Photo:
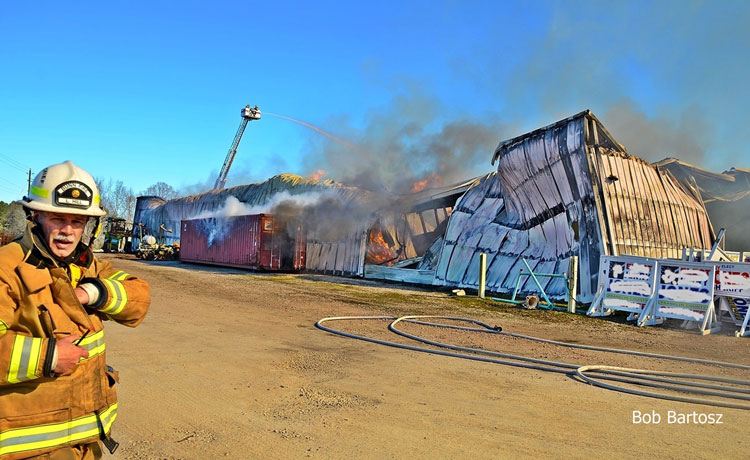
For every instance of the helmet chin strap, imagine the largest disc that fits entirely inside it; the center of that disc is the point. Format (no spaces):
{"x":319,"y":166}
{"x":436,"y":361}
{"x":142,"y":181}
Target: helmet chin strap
{"x":97,"y":230}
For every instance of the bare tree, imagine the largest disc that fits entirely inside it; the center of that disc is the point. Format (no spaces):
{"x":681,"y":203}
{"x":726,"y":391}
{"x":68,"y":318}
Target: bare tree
{"x":116,"y":198}
{"x":161,"y":189}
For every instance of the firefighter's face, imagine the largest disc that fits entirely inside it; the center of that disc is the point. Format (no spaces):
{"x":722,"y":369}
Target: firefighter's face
{"x":63,"y":231}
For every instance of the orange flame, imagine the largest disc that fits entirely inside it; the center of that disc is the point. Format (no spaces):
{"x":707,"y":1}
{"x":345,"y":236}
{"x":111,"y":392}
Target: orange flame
{"x":432,"y":180}
{"x":378,"y":251}
{"x":318,"y":175}
{"x":419,"y":186}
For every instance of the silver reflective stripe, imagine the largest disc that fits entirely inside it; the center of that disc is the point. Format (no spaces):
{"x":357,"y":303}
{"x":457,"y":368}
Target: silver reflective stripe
{"x":92,"y":345}
{"x":62,"y":433}
{"x":118,"y":297}
{"x":107,"y":419}
{"x":41,"y":437}
{"x":24,"y":358}
{"x":23,"y":367}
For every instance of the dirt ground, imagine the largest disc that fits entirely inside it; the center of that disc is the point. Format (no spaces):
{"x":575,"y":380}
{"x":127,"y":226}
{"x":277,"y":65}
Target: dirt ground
{"x":229,"y":364}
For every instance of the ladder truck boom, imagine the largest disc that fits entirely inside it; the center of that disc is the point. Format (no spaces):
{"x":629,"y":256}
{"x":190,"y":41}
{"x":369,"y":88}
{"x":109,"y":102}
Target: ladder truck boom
{"x":248,"y":114}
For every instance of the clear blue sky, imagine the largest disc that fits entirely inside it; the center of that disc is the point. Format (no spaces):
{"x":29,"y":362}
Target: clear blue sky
{"x":147,"y":91}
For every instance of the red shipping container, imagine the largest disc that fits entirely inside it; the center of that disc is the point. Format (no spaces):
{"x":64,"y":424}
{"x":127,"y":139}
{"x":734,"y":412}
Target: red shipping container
{"x":260,"y":242}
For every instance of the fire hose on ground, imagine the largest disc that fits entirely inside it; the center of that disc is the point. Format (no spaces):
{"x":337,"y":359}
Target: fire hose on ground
{"x":655,"y":379}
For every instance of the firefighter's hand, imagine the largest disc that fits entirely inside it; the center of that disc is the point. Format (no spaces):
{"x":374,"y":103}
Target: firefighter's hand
{"x":82,"y":295}
{"x":68,"y":354}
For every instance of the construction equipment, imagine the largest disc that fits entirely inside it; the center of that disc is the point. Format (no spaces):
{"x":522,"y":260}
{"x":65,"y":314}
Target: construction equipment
{"x":151,"y":248}
{"x":116,"y":233}
{"x":248,"y":114}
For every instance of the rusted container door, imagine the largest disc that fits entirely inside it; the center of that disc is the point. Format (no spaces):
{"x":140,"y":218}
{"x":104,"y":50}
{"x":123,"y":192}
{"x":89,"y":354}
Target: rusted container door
{"x":268,"y":254}
{"x":233,"y":241}
{"x":258,"y":241}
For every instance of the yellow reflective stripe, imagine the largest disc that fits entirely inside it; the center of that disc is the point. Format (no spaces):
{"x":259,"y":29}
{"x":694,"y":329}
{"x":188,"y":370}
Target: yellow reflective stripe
{"x":75,"y":274}
{"x":108,"y":417}
{"x":24,"y":358}
{"x":3,"y":327}
{"x":40,"y":192}
{"x":97,"y":198}
{"x":94,"y":344}
{"x":118,"y":297}
{"x":118,"y":275}
{"x":55,"y":434}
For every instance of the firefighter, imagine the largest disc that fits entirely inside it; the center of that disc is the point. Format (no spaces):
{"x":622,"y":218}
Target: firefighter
{"x":57,"y":396}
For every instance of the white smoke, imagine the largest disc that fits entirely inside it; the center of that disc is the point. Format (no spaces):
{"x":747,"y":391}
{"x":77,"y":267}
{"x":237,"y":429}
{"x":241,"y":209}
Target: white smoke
{"x":216,"y":224}
{"x":234,"y":207}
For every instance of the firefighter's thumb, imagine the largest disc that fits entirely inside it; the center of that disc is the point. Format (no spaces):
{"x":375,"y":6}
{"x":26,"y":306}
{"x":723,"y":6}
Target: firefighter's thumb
{"x":68,"y":354}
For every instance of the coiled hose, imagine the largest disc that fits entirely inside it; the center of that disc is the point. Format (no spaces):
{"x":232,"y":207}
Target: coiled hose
{"x":656,"y":379}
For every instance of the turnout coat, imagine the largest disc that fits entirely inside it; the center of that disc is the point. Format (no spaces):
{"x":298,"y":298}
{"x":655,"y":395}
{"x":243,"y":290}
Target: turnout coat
{"x":41,"y":411}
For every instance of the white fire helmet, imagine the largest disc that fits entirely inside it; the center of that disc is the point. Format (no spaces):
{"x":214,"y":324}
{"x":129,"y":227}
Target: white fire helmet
{"x":64,"y":188}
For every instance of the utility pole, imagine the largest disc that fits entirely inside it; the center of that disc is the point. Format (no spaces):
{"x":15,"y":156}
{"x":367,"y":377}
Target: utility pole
{"x":28,"y":188}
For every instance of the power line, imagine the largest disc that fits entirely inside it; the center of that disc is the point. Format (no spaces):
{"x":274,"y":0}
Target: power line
{"x":10,"y":190}
{"x":12,"y":186}
{"x":11,"y":162}
{"x":12,"y":181}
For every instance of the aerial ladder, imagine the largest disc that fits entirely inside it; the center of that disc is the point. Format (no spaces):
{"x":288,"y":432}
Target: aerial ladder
{"x":248,"y":114}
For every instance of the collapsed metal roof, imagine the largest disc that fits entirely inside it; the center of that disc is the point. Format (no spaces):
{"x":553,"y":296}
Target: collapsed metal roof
{"x":566,"y":189}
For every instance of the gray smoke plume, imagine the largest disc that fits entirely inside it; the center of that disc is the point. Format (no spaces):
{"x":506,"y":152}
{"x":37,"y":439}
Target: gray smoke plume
{"x":685,"y":135}
{"x":413,"y":143}
{"x":328,"y":219}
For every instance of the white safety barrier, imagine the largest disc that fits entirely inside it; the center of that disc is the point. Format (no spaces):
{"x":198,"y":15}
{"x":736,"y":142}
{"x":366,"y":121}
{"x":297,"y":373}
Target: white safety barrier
{"x":732,"y":289}
{"x":626,"y":283}
{"x":684,"y":290}
{"x":652,"y":290}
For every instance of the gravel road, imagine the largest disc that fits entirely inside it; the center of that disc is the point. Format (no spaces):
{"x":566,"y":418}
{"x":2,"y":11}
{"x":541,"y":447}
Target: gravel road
{"x":229,"y":364}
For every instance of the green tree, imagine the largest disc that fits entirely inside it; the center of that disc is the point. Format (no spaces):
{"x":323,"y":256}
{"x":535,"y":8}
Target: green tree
{"x":3,"y":211}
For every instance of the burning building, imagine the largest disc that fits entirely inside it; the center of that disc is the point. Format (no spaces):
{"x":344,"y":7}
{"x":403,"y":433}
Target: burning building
{"x":153,"y":212}
{"x":567,"y":189}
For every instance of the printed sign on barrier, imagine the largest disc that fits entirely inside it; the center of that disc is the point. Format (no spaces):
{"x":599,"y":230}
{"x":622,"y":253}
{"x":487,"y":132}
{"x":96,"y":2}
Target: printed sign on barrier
{"x":732,"y":287}
{"x":626,"y":283}
{"x":684,"y":290}
{"x":732,"y":279}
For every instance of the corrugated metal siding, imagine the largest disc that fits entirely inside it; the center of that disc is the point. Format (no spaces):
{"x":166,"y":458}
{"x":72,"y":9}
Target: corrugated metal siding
{"x":651,"y":215}
{"x":345,"y":257}
{"x":172,"y":212}
{"x":571,"y":173}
